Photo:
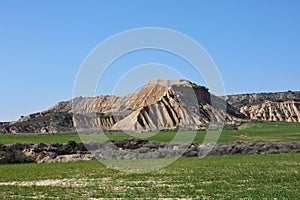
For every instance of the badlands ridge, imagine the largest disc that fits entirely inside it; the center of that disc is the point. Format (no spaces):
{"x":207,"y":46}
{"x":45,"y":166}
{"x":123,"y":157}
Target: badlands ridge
{"x":161,"y":105}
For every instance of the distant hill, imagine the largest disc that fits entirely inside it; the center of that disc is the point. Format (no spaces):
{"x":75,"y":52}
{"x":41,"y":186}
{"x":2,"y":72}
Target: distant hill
{"x":159,"y":105}
{"x":279,"y":106}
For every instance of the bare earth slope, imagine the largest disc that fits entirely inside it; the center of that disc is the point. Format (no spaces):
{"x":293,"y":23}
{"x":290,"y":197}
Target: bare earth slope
{"x":281,"y":106}
{"x":159,"y":105}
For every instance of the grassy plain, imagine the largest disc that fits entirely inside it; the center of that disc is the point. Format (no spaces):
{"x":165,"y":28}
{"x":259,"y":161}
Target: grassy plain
{"x":227,"y":177}
{"x":268,"y":132}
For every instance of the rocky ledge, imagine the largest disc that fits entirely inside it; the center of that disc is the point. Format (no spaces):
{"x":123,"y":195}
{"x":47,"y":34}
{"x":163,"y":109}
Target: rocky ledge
{"x":132,"y":149}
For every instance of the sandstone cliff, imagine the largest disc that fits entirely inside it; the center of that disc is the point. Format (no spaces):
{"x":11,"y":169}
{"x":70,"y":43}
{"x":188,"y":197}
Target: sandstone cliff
{"x":159,"y":105}
{"x":273,"y":111}
{"x":280,"y":106}
{"x":240,"y":100}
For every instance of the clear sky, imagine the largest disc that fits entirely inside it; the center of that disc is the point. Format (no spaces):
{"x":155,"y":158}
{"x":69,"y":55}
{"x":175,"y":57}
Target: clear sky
{"x":254,"y":43}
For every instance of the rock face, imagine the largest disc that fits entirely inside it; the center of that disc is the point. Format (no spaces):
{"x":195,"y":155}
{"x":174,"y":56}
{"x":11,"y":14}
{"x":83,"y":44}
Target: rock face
{"x":43,"y":122}
{"x":274,"y":111}
{"x":159,"y":105}
{"x":281,"y":106}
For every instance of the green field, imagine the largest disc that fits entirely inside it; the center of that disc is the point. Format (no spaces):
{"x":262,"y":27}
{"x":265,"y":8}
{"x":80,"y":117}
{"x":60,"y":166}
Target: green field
{"x":269,"y":132}
{"x":228,"y":177}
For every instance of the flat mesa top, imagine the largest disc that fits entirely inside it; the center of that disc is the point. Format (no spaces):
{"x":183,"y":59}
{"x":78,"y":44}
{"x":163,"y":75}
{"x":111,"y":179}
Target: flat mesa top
{"x":170,"y":83}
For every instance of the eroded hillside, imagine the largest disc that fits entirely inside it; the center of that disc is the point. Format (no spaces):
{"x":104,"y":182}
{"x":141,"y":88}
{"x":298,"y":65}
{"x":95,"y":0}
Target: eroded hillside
{"x":159,"y":105}
{"x":280,"y":106}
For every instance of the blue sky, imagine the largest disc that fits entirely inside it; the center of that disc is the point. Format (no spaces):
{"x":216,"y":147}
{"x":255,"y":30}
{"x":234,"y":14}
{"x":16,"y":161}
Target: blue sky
{"x":255,"y":44}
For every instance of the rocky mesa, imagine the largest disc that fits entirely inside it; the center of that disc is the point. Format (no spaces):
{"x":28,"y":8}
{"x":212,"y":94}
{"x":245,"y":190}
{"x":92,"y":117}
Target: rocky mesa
{"x":159,"y":105}
{"x":280,"y":106}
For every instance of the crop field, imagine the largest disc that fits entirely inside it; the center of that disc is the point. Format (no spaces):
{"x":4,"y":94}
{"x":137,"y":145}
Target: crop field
{"x":228,"y":177}
{"x":268,"y":132}
{"x":221,"y":177}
